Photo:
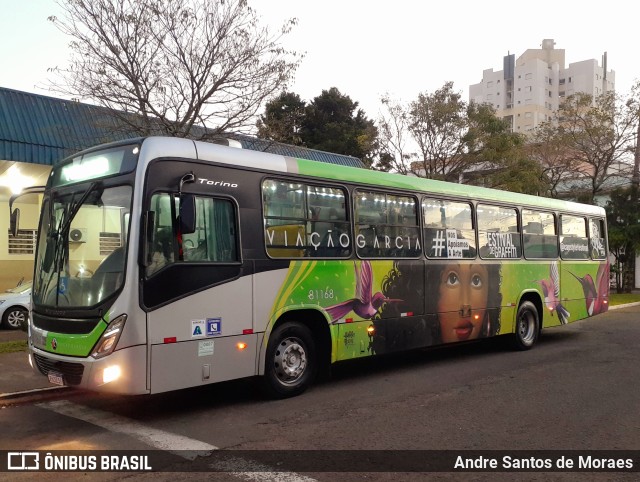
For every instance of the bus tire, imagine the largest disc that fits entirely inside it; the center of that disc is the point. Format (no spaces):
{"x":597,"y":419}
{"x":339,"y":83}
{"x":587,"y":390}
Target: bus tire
{"x":291,"y":361}
{"x":527,"y":326}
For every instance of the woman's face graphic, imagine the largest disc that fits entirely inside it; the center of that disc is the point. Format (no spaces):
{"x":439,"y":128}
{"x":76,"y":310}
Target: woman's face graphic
{"x":462,"y":302}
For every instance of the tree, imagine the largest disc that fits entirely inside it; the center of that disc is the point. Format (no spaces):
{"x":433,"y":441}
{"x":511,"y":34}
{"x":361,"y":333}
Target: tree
{"x":424,"y":137}
{"x":282,"y":119}
{"x":437,"y":123}
{"x":623,"y":220}
{"x":393,"y":129}
{"x":439,"y":136}
{"x":498,"y":154}
{"x":165,"y":66}
{"x":334,"y":123}
{"x":598,"y":133}
{"x":633,"y":104}
{"x":549,"y":148}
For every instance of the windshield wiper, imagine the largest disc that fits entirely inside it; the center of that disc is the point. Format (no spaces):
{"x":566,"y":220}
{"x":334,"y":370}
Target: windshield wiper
{"x":61,"y":235}
{"x":74,"y":208}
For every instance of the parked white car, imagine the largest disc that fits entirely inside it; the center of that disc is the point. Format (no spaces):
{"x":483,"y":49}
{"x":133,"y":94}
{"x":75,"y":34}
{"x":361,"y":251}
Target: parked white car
{"x":14,"y":306}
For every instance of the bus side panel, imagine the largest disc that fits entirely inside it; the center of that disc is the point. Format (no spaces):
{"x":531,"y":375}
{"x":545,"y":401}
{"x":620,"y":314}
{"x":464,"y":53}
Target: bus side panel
{"x":584,"y":288}
{"x":466,"y":297}
{"x":198,"y":362}
{"x":530,"y":277}
{"x":202,"y":329}
{"x":364,"y":298}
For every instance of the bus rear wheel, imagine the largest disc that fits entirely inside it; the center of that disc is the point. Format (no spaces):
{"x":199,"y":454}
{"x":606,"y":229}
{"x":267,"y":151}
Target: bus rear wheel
{"x":527,"y":326}
{"x":291,"y":361}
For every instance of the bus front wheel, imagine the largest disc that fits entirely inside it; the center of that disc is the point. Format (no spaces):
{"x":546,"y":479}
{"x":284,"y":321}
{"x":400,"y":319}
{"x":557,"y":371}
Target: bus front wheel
{"x":291,"y":361}
{"x":527,"y":326}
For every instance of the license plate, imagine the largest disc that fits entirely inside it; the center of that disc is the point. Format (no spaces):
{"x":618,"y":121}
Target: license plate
{"x":55,"y":378}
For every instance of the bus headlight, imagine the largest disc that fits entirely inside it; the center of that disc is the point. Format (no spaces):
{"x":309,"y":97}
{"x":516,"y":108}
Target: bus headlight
{"x":110,"y":337}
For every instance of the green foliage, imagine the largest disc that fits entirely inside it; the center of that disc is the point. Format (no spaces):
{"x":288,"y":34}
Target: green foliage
{"x":331,"y":122}
{"x":334,"y":123}
{"x":438,"y":123}
{"x":623,"y":219}
{"x":498,"y":155}
{"x":518,"y":174}
{"x":282,"y":119}
{"x":456,"y":141}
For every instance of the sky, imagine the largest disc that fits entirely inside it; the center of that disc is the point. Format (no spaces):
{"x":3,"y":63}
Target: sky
{"x":370,"y":48}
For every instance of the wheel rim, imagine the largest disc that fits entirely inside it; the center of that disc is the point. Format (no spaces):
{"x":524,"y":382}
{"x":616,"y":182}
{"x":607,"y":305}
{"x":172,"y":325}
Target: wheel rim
{"x":527,"y":328}
{"x":16,"y":318}
{"x":290,"y":361}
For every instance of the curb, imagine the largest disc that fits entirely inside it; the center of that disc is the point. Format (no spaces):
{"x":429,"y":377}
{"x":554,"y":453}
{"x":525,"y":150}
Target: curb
{"x":628,"y":305}
{"x":36,"y":392}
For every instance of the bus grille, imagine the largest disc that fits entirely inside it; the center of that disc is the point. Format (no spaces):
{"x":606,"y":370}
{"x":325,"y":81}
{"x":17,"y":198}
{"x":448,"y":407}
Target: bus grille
{"x":72,"y":372}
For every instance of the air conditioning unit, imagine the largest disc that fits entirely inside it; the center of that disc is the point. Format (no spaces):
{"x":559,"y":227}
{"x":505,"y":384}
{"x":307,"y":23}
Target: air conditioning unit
{"x":78,"y":235}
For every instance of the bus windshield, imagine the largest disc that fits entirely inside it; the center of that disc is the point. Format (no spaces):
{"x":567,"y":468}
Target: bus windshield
{"x":82,"y":244}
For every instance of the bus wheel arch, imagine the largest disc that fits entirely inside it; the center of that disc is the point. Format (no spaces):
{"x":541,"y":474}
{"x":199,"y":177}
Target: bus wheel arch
{"x":528,"y":322}
{"x":299,"y":346}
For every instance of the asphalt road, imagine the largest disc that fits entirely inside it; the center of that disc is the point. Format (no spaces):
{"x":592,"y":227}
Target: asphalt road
{"x":577,"y":389}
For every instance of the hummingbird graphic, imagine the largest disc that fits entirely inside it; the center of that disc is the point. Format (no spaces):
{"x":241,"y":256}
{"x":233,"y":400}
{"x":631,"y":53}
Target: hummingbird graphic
{"x":594,"y":293}
{"x":363,"y":304}
{"x":551,"y":291}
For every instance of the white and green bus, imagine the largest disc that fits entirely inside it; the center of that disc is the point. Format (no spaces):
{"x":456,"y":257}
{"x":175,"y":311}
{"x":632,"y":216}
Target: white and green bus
{"x":169,"y":263}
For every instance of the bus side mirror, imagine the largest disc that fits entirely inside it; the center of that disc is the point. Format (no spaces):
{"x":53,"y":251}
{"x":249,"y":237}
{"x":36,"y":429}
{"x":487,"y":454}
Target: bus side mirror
{"x":148,"y":227}
{"x":14,"y":222}
{"x":187,"y":214}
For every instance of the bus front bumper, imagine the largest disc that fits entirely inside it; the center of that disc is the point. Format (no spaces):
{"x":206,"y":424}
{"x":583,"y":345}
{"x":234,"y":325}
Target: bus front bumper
{"x":124,"y":371}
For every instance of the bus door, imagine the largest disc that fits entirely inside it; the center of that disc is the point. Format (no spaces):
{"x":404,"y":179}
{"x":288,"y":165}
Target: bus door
{"x":197,"y":292}
{"x":575,"y":275}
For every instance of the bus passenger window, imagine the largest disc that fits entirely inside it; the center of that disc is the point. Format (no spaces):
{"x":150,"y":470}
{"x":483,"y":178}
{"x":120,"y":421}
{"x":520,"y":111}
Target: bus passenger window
{"x":386,"y":226}
{"x":498,"y":234}
{"x":303,"y":220}
{"x":574,"y":243}
{"x":597,"y":238}
{"x":540,"y":235}
{"x":448,"y":229}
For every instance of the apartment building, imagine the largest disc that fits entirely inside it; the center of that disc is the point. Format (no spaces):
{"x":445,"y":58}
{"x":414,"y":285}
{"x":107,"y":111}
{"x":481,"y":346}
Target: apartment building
{"x":529,"y":89}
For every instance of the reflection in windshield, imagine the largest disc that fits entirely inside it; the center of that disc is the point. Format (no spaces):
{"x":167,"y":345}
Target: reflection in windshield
{"x":82,"y":245}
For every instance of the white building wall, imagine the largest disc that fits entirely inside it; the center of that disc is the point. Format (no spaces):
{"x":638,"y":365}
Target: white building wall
{"x":490,"y":90}
{"x":540,"y":83}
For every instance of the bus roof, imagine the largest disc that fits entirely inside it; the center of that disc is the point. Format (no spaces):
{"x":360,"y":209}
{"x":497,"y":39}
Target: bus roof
{"x":322,"y":170}
{"x":165,"y":146}
{"x":431,"y":186}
